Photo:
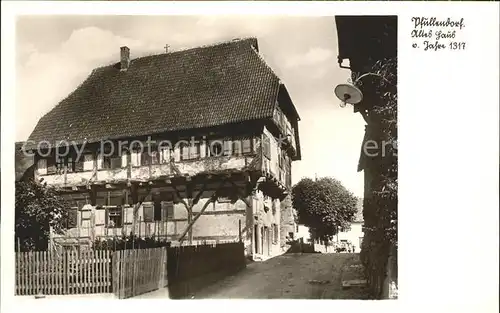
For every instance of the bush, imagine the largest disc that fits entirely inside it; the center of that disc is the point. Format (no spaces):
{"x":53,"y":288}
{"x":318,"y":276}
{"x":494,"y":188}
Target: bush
{"x":129,"y":242}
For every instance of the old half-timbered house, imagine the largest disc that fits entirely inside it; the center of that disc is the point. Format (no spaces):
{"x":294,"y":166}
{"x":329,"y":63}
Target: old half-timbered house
{"x":190,"y":145}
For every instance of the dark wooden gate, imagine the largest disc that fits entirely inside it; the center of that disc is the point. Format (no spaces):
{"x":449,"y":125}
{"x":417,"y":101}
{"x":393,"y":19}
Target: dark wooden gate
{"x":136,"y":272}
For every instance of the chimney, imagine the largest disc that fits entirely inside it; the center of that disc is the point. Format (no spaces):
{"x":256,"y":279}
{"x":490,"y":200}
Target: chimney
{"x":124,"y":58}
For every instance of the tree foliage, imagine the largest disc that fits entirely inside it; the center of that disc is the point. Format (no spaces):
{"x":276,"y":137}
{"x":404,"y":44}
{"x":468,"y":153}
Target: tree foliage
{"x":38,"y":209}
{"x":323,"y":205}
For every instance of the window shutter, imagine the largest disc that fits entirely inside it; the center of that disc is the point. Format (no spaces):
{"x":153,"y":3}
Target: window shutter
{"x":185,"y":152}
{"x":72,"y":218}
{"x":145,"y":158}
{"x":51,"y":165}
{"x":177,"y":153}
{"x":42,"y":166}
{"x":165,"y":156}
{"x":124,"y":159}
{"x":155,"y":157}
{"x":157,"y":210}
{"x":79,"y":163}
{"x":100,"y":217}
{"x":106,"y":216}
{"x":246,"y":145}
{"x":99,"y":161}
{"x":236,"y":146}
{"x":148,"y":212}
{"x":227,"y":147}
{"x":203,"y":149}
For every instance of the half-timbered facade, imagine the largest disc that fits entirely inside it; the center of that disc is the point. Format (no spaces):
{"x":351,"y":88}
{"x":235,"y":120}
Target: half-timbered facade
{"x":189,"y":145}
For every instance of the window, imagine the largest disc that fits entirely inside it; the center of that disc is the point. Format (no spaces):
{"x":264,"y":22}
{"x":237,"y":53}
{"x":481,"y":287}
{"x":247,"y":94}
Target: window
{"x":168,"y":210}
{"x":114,"y":217}
{"x":165,"y":155}
{"x":135,"y":158}
{"x":70,"y":164}
{"x":155,"y":157}
{"x":59,"y":165}
{"x":237,"y":147}
{"x":189,"y":151}
{"x":215,"y":148}
{"x":42,"y":167}
{"x":111,"y":161}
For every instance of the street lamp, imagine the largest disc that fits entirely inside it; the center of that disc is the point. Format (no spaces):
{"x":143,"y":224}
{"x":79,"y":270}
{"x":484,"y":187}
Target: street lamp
{"x":350,"y":93}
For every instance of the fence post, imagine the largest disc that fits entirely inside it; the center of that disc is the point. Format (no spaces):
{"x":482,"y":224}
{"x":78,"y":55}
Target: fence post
{"x":239,"y":230}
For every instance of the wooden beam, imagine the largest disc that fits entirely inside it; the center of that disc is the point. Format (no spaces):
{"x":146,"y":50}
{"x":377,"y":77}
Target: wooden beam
{"x":191,"y":223}
{"x":198,"y":196}
{"x":178,"y":194}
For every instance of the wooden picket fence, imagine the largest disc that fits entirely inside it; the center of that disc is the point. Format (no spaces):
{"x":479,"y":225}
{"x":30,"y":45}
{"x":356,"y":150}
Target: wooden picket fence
{"x":66,"y":273}
{"x":139,"y":271}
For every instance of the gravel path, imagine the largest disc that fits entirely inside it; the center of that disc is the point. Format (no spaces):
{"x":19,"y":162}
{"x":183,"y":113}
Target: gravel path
{"x":290,"y":276}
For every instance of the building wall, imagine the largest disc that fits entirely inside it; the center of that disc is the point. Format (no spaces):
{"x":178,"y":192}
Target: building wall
{"x":353,"y":235}
{"x":219,"y":222}
{"x":303,"y":232}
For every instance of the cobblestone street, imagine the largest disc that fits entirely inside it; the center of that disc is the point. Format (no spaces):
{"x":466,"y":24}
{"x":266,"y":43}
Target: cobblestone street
{"x":290,"y":276}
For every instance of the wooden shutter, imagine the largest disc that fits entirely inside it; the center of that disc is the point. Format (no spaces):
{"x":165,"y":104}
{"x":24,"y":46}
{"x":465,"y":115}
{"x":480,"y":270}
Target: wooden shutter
{"x":246,"y":145}
{"x":79,"y":163}
{"x":157,"y":209}
{"x":184,"y":151}
{"x":237,"y":147}
{"x":42,"y":166}
{"x":73,"y":218}
{"x":100,"y":216}
{"x":145,"y":158}
{"x":106,"y":217}
{"x":124,"y":157}
{"x":51,"y":165}
{"x":227,"y":147}
{"x":148,"y":212}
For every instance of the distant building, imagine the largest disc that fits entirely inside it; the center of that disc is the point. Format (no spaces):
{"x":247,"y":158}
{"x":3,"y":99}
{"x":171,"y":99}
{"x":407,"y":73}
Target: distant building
{"x":303,"y":233}
{"x":354,"y":235}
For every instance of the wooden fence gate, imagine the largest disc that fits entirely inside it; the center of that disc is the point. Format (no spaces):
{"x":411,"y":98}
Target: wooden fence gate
{"x":139,"y":271}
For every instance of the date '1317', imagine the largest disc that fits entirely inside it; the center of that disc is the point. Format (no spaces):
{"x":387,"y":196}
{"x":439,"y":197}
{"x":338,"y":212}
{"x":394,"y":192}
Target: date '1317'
{"x":439,"y":46}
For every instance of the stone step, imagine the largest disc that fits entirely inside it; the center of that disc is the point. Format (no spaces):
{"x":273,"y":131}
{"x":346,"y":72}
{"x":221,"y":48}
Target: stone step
{"x":354,"y":283}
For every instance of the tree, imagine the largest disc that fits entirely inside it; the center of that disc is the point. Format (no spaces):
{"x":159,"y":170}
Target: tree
{"x":38,"y":209}
{"x":324,"y":205}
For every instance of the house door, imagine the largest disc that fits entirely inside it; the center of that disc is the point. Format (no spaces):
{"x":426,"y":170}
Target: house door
{"x":266,"y":246}
{"x":257,"y":239}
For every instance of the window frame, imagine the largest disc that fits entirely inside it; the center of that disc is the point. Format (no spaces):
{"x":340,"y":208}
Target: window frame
{"x":116,"y":209}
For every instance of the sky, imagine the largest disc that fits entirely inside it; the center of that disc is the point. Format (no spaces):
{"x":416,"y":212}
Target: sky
{"x":56,"y":53}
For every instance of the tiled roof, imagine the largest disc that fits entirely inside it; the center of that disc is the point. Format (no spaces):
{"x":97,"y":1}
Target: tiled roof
{"x":196,"y":88}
